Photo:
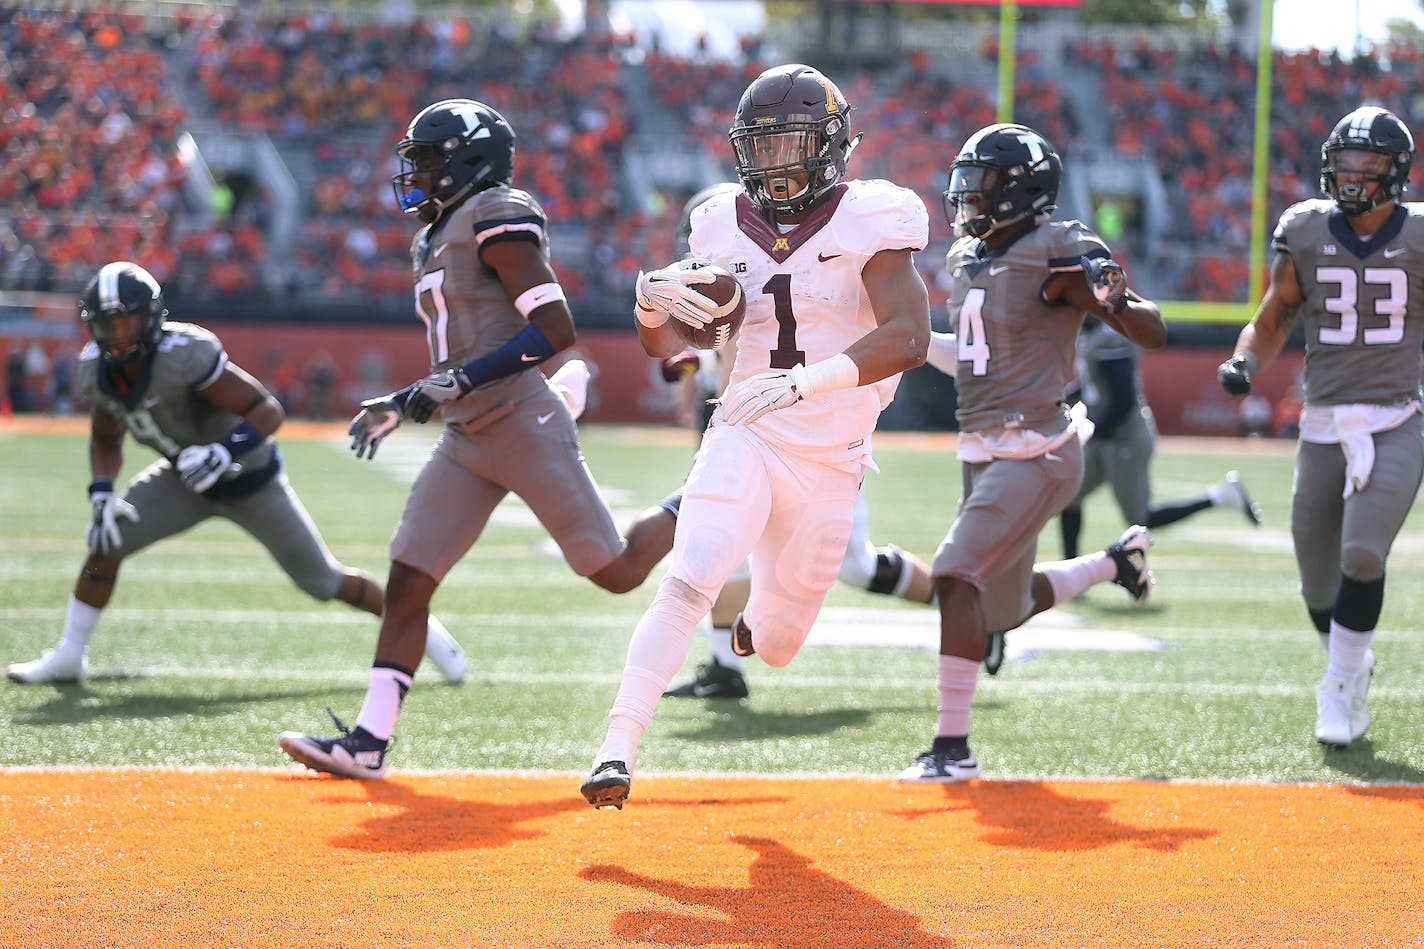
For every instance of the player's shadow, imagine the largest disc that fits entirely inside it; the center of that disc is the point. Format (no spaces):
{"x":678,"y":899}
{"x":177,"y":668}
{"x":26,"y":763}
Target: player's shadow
{"x":785,"y":893}
{"x":734,"y":722}
{"x":77,"y":704}
{"x":1032,"y":816}
{"x":426,"y":822}
{"x":1361,"y":761}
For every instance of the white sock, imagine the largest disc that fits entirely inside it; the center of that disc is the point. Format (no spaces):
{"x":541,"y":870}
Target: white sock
{"x":957,"y":679}
{"x":721,"y":637}
{"x":1347,"y":651}
{"x":384,"y":695}
{"x":438,"y":637}
{"x":1068,"y":578}
{"x":79,"y":622}
{"x":656,"y":651}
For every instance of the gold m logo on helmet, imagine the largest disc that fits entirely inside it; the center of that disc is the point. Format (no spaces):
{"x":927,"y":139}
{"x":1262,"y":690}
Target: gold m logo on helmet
{"x":833,"y":95}
{"x":781,"y":244}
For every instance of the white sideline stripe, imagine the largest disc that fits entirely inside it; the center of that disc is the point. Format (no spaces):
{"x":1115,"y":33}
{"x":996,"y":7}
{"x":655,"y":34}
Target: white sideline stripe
{"x":281,"y":771}
{"x":871,"y":627}
{"x":778,"y":678}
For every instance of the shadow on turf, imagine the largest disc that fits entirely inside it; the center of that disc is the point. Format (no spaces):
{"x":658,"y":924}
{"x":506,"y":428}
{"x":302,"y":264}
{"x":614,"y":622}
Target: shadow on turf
{"x":729,"y":722}
{"x":1361,"y":761}
{"x":1033,"y":816}
{"x":75,"y":704}
{"x":785,"y":895}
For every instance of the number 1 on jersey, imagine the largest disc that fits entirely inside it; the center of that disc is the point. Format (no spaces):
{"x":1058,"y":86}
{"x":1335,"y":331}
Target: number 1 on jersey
{"x":785,"y":355}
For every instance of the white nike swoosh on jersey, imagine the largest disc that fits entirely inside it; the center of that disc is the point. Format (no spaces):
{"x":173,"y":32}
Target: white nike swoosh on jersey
{"x":544,"y":418}
{"x":439,"y":250}
{"x":1395,"y":251}
{"x":995,"y":271}
{"x":525,"y":357}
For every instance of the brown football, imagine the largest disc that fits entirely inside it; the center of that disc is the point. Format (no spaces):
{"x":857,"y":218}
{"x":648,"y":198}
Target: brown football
{"x":726,"y":292}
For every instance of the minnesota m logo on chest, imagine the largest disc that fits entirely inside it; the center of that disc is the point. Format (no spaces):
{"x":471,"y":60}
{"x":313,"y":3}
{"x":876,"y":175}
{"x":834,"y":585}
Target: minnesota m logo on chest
{"x":781,"y":246}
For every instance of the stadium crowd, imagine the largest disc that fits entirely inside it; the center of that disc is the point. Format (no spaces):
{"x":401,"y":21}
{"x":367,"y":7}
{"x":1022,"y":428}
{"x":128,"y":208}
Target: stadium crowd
{"x":96,"y":102}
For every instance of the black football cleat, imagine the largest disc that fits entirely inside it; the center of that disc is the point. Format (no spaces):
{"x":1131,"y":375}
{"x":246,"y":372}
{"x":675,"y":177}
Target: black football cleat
{"x":608,"y":785}
{"x":713,"y":681}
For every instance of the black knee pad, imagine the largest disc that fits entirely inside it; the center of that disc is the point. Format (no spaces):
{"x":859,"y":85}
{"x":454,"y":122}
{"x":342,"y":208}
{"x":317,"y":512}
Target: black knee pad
{"x":889,"y":568}
{"x":1359,"y":603}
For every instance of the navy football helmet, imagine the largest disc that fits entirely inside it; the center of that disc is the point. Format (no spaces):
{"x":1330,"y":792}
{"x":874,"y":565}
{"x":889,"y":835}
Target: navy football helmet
{"x":451,"y":150}
{"x":791,"y":138}
{"x":1003,"y":174}
{"x":123,"y":309}
{"x":1377,"y":131}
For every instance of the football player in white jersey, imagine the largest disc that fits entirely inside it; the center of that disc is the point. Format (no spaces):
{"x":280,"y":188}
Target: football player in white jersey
{"x":887,"y":570}
{"x":172,"y":385}
{"x":835,"y":312}
{"x":1020,"y":284}
{"x":1351,"y":270}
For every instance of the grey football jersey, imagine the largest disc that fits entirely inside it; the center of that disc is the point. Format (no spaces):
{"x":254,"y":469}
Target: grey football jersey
{"x":1016,"y":351}
{"x":1099,"y":343}
{"x":1363,"y":309}
{"x":162,"y":409}
{"x":466,"y":310}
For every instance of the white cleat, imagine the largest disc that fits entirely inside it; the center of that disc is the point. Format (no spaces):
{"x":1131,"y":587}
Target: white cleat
{"x":1336,"y":723}
{"x":1232,"y":493}
{"x":1360,"y":693}
{"x":53,"y":666}
{"x":441,"y":649}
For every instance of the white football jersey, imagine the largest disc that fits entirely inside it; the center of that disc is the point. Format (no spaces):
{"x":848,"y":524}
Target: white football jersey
{"x":806,"y":300}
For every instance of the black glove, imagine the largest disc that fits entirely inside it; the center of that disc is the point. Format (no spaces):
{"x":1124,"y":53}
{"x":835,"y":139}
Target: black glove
{"x":1236,"y":373}
{"x":1108,"y":283}
{"x":427,"y":395}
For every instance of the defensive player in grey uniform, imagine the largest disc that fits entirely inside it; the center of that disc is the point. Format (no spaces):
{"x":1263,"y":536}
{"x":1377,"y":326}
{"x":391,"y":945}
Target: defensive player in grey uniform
{"x":493,"y":311}
{"x":173,"y":387}
{"x":1020,"y":285}
{"x":1352,"y":269}
{"x":1119,"y":453}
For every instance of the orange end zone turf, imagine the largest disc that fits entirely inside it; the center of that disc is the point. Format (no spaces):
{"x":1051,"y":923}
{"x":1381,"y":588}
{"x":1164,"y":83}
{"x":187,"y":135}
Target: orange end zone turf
{"x":257,"y":859}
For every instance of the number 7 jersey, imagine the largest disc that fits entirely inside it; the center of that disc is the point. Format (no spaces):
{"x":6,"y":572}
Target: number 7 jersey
{"x":1364,"y":303}
{"x":806,"y":300}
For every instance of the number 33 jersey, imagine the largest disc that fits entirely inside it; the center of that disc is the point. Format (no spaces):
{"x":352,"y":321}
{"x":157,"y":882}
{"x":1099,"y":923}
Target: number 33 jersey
{"x":806,"y":300}
{"x":1364,"y":303}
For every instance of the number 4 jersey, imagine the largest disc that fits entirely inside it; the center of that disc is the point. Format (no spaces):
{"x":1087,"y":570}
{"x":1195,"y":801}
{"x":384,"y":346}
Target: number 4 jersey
{"x":1364,"y":303}
{"x":1016,"y":350}
{"x":806,"y":300}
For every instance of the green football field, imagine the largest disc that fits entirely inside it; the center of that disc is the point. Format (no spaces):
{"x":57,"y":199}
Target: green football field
{"x":208,"y":651}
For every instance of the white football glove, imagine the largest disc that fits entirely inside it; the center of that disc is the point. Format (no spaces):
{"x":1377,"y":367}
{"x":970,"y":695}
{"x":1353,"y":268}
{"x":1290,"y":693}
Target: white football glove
{"x":753,"y":397}
{"x":103,"y":536}
{"x":377,"y":419}
{"x":668,"y":293}
{"x":427,"y":395}
{"x":200,"y":466}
